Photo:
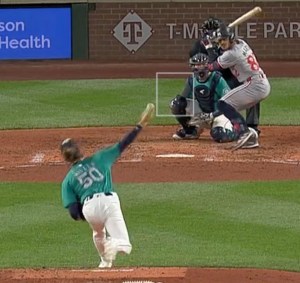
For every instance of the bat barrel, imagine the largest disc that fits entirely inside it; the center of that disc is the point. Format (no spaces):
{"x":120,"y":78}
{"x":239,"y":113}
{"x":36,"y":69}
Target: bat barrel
{"x":246,"y":16}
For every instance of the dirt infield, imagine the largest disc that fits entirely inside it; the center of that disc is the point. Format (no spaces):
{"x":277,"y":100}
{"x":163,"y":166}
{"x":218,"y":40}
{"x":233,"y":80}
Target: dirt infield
{"x":149,"y":275}
{"x":152,"y":158}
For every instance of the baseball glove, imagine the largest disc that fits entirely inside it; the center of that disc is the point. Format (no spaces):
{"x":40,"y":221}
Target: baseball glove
{"x":147,"y":115}
{"x":201,"y":118}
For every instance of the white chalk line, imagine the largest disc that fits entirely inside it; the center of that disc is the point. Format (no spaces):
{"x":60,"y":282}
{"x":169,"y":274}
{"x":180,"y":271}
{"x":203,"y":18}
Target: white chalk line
{"x":175,"y":155}
{"x":39,"y":160}
{"x":104,"y":270}
{"x":289,"y":162}
{"x":130,"y":160}
{"x":215,"y":159}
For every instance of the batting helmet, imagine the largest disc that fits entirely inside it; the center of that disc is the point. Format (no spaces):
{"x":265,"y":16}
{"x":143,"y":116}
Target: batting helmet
{"x":199,"y":65}
{"x":70,"y":150}
{"x":223,"y":32}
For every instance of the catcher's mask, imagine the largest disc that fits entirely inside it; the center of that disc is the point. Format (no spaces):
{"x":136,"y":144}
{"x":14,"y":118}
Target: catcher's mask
{"x":70,"y":150}
{"x":199,"y":65}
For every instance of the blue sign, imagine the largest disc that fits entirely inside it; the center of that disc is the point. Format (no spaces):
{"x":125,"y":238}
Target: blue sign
{"x":35,"y":33}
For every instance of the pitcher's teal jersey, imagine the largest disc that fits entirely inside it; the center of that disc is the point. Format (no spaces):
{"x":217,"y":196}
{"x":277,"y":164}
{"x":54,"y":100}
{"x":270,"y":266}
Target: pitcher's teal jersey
{"x":90,"y":175}
{"x":206,"y":93}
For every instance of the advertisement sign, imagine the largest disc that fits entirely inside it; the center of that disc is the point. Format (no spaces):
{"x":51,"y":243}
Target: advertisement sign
{"x":35,"y":33}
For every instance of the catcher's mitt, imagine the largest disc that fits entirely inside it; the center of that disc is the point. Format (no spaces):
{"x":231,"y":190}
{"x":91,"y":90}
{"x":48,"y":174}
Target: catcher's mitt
{"x":201,"y":118}
{"x":147,"y":114}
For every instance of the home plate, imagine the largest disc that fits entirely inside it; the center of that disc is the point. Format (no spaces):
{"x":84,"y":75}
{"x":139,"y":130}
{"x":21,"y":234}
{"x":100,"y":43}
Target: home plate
{"x":104,"y":270}
{"x":176,"y":155}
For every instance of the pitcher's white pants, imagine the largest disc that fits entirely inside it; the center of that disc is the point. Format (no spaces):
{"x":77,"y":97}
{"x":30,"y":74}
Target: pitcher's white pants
{"x":104,"y":214}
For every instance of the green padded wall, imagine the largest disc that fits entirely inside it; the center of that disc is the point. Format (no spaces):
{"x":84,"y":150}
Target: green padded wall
{"x":80,"y":40}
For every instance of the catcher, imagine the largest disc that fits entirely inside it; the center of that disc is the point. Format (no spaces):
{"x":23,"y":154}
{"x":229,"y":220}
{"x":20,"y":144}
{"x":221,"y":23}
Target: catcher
{"x":208,"y":28}
{"x":198,"y":99}
{"x":88,"y":192}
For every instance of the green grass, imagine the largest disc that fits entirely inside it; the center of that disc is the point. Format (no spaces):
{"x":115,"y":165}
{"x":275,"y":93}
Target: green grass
{"x":232,"y":224}
{"x":76,"y":103}
{"x":211,"y":224}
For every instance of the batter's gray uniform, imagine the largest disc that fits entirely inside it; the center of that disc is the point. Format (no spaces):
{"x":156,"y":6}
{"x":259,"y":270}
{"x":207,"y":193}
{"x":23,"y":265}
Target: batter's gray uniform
{"x":240,"y":59}
{"x":244,"y":66}
{"x":207,"y":29}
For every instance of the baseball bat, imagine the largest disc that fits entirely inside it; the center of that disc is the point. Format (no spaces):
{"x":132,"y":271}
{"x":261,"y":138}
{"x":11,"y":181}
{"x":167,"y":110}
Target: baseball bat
{"x":246,"y":16}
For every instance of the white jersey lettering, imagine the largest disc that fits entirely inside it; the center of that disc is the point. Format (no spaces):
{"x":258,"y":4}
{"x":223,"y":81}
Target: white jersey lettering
{"x":241,"y":60}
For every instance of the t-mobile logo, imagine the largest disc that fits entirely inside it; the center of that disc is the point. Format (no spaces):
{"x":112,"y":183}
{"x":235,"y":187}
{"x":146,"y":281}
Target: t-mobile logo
{"x":132,"y":31}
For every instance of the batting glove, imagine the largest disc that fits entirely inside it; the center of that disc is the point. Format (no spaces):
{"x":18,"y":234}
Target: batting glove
{"x":206,"y":41}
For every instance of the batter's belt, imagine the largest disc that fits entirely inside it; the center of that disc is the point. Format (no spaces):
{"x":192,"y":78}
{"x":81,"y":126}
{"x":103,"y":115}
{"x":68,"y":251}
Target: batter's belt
{"x":259,"y":75}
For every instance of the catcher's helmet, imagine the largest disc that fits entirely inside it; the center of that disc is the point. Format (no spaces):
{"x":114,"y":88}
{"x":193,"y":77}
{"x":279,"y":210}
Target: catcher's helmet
{"x":198,"y":59}
{"x":199,"y":65}
{"x":70,"y":150}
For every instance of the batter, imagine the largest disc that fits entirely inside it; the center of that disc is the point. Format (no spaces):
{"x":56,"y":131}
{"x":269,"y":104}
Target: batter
{"x":207,"y":29}
{"x":255,"y":87}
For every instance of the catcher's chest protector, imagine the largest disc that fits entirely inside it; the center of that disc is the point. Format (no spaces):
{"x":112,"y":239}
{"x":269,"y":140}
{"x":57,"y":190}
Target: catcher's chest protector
{"x":205,"y":92}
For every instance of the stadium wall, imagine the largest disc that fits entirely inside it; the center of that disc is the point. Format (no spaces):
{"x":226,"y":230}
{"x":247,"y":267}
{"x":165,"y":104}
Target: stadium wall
{"x":165,"y":30}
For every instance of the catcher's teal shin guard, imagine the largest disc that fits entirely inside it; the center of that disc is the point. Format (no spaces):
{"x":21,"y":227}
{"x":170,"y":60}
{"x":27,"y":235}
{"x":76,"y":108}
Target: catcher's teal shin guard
{"x":234,"y":116}
{"x":220,"y":134}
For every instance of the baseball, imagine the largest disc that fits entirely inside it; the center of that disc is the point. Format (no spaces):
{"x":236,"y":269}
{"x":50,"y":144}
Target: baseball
{"x":258,"y":9}
{"x":150,"y":106}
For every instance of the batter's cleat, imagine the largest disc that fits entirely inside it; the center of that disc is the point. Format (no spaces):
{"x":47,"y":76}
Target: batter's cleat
{"x":181,"y":134}
{"x":105,"y":264}
{"x":257,"y":131}
{"x":253,"y":140}
{"x":243,"y":139}
{"x":254,"y":127}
